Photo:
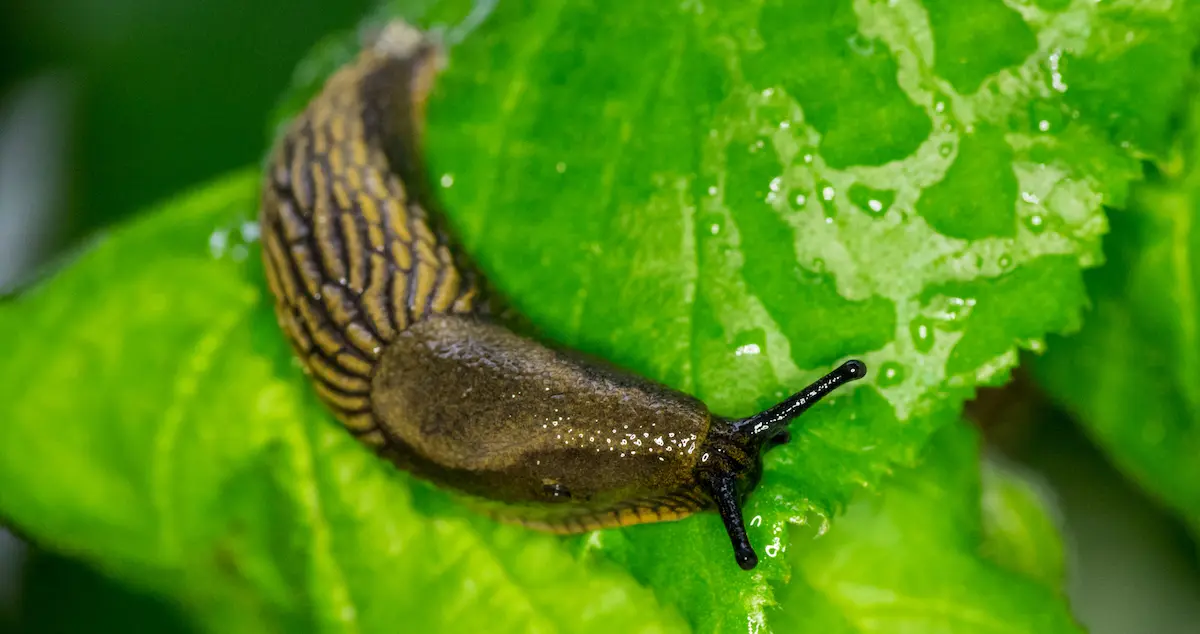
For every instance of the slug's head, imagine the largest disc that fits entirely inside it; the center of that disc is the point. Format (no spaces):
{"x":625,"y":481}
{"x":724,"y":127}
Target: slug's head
{"x":731,"y":460}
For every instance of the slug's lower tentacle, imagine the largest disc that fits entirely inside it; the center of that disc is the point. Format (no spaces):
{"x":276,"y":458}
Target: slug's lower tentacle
{"x":723,"y":489}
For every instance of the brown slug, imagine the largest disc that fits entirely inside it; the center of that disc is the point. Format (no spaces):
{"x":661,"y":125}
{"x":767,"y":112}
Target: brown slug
{"x":404,"y":344}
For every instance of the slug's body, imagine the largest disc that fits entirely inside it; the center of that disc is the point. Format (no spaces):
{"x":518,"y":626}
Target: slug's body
{"x":397,"y":332}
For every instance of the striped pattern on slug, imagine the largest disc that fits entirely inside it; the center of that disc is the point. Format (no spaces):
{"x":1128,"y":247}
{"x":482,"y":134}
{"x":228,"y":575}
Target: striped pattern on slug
{"x":351,"y":252}
{"x":667,"y":508}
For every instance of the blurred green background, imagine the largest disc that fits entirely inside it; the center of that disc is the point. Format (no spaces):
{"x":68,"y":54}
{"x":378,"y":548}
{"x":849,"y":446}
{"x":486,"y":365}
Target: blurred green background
{"x":162,"y":95}
{"x":130,"y":101}
{"x":107,"y":106}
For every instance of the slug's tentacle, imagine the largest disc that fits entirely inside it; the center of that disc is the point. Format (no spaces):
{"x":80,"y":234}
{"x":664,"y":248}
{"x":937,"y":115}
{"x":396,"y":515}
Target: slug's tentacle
{"x":723,"y":489}
{"x":736,"y":448}
{"x":771,"y":422}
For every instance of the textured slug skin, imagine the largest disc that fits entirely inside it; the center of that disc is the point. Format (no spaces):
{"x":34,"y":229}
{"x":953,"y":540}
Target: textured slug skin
{"x":394,"y":329}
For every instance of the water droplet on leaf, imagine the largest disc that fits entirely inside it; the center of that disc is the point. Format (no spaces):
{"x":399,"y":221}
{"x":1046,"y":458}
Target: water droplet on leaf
{"x":921,"y":330}
{"x":861,"y":45}
{"x":890,"y":374}
{"x":875,"y":202}
{"x":1045,"y":115}
{"x":1035,"y":223}
{"x":827,"y":194}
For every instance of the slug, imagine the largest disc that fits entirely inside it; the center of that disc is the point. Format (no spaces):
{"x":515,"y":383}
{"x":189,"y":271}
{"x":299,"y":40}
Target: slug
{"x":407,"y":346}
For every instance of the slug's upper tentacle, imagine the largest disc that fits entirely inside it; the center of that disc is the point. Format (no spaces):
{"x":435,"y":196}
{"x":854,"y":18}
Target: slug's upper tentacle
{"x":351,"y":251}
{"x":768,"y":423}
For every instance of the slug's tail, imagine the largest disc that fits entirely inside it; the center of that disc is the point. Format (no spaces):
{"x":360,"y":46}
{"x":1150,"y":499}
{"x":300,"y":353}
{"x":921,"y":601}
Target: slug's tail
{"x":397,"y":39}
{"x":355,"y":249}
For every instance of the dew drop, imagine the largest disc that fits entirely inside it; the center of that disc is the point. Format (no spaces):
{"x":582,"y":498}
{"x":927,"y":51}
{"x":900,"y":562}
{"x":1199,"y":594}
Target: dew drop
{"x":749,"y":342}
{"x":1056,"y":77}
{"x":250,"y":231}
{"x":890,"y":374}
{"x":826,"y":198}
{"x":447,"y":180}
{"x":750,"y":348}
{"x":956,"y":308}
{"x":218,"y":242}
{"x":946,"y":149}
{"x":921,"y":330}
{"x":861,"y":45}
{"x":1045,"y":115}
{"x":875,"y":202}
{"x":942,"y":103}
{"x":1035,"y":223}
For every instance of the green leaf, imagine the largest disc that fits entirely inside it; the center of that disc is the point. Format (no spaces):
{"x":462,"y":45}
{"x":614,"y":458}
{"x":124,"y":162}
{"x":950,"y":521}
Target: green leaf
{"x":728,"y":197}
{"x":1132,"y":376}
{"x":1021,"y":525}
{"x":718,"y":221}
{"x":911,"y":560}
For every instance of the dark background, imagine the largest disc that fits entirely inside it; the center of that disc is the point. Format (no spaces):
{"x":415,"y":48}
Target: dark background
{"x":164,"y":93}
